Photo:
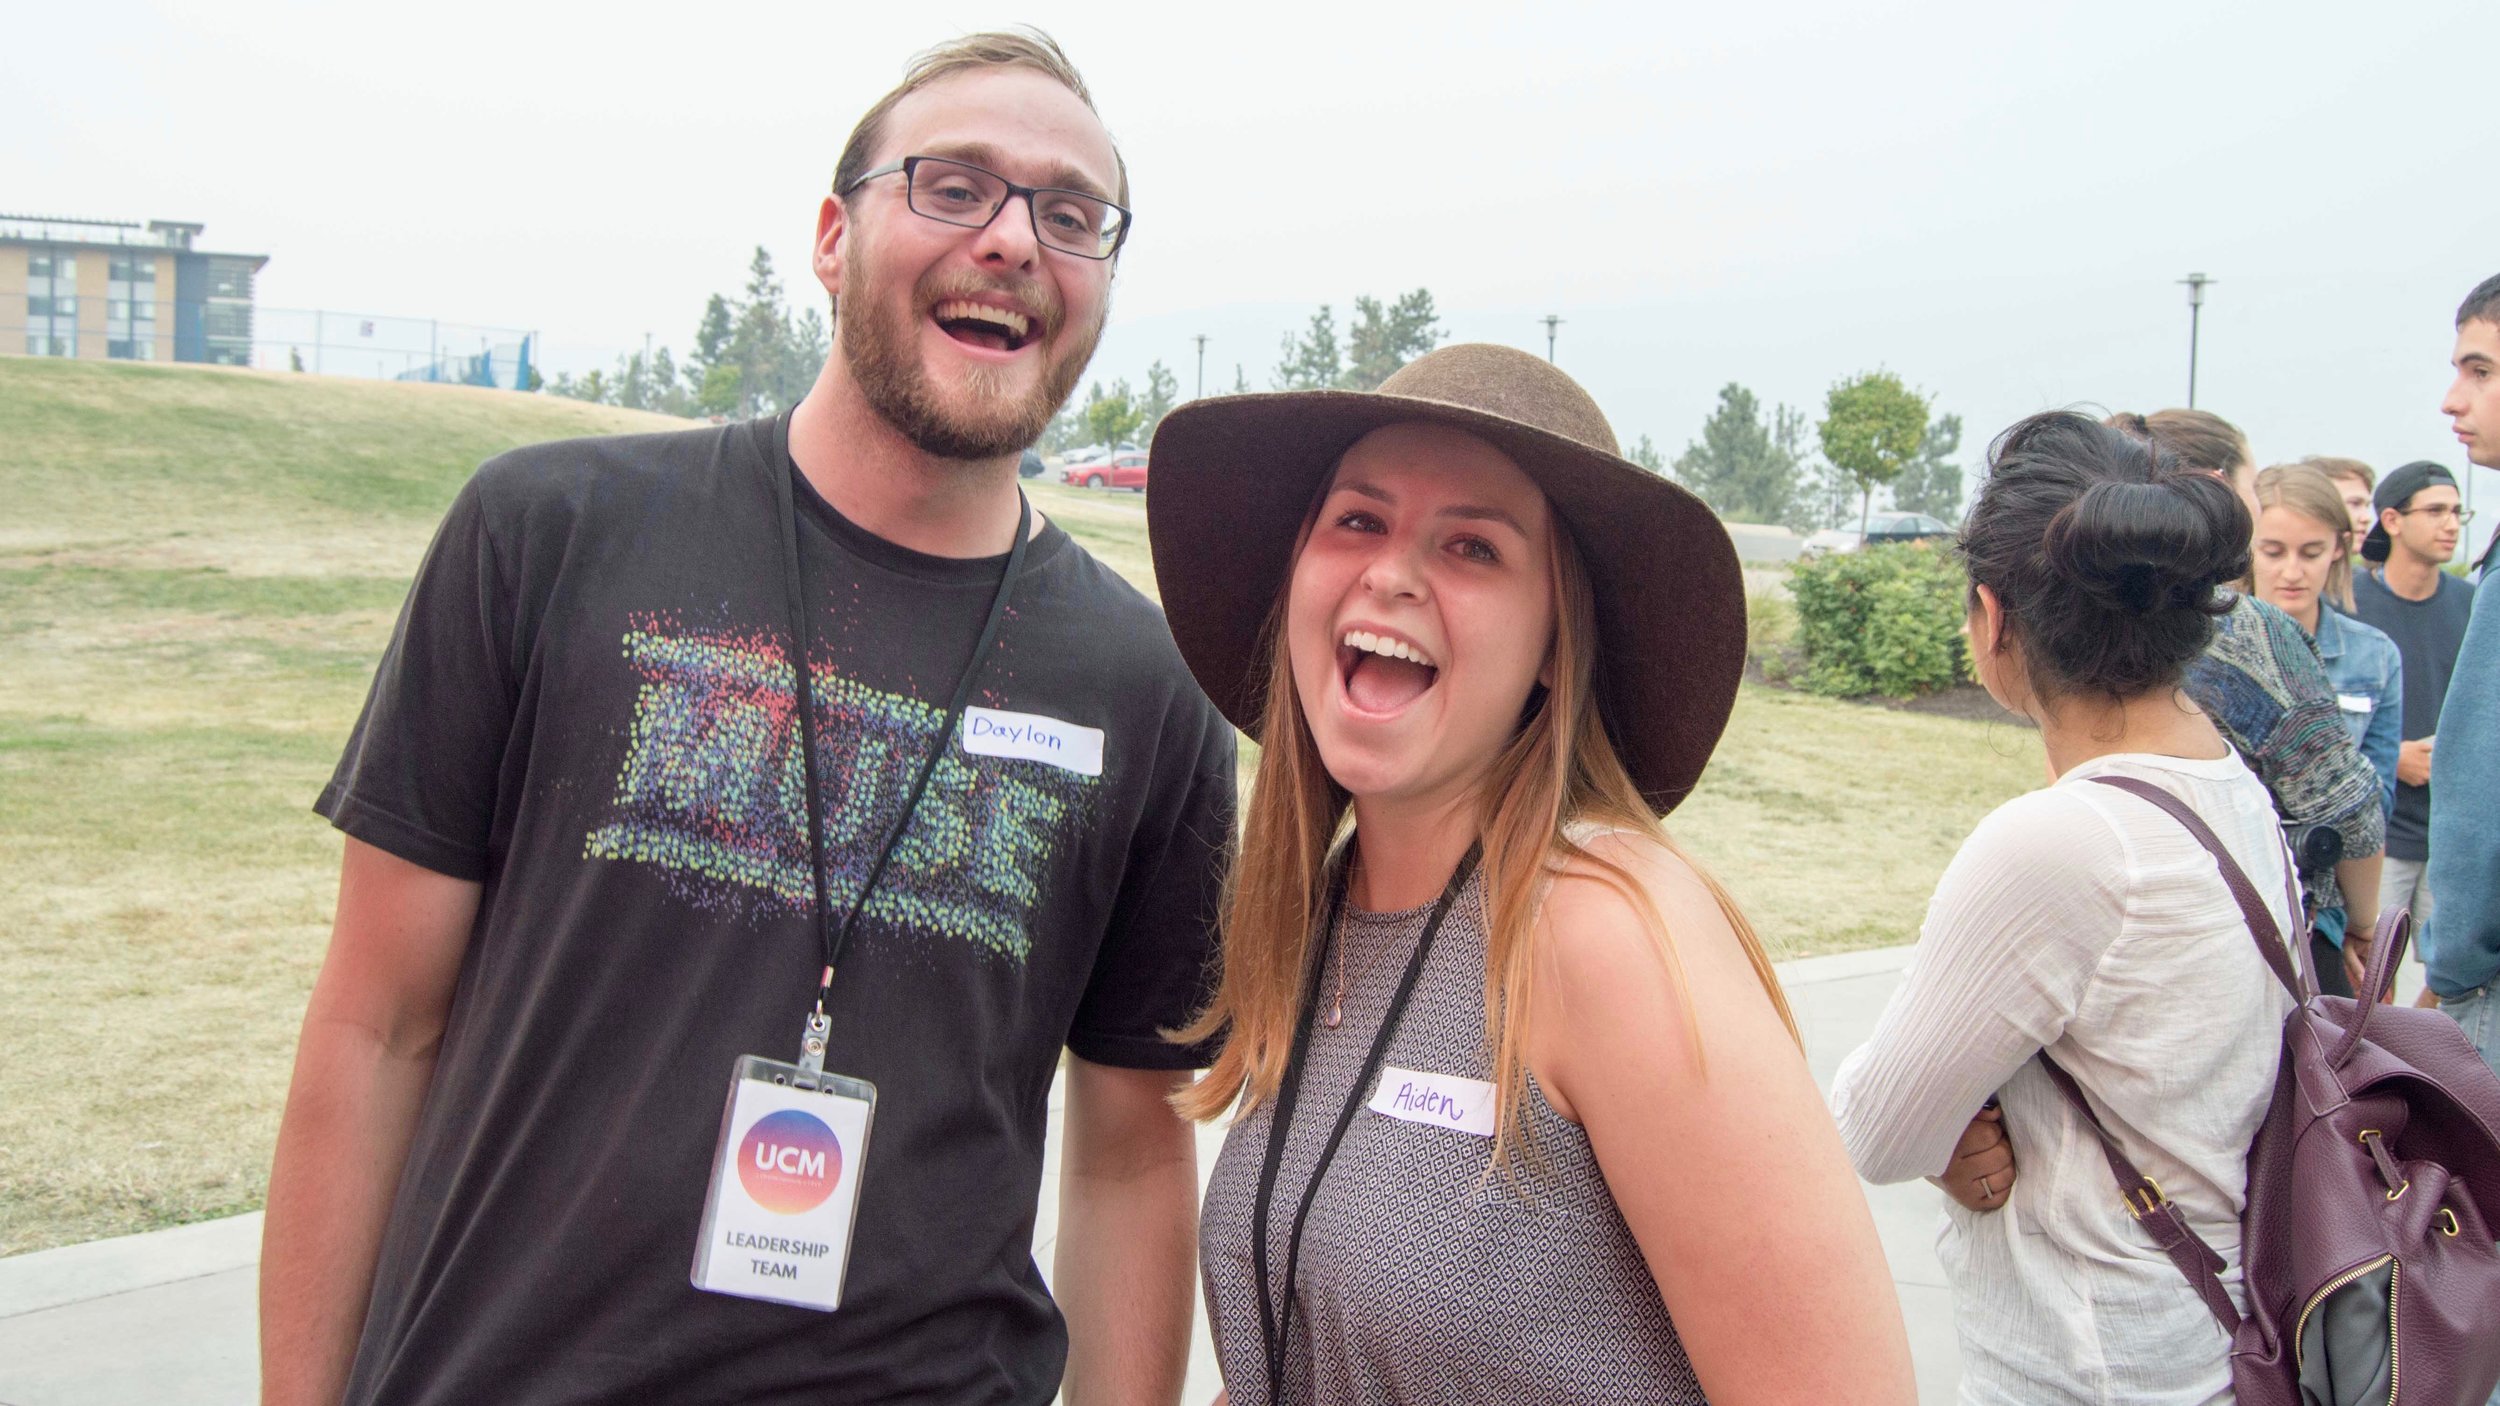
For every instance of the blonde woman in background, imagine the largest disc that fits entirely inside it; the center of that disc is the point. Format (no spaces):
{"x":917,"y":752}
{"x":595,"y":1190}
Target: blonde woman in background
{"x":2300,"y":562}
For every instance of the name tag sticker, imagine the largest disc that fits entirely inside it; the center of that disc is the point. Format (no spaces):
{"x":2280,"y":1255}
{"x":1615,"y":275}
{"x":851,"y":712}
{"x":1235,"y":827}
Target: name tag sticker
{"x":2354,"y":702}
{"x":1442,"y":1100}
{"x":995,"y":732}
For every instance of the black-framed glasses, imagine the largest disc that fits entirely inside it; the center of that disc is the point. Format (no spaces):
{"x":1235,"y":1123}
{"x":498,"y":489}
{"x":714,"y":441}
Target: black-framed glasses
{"x":2441,"y":510}
{"x":960,"y":193}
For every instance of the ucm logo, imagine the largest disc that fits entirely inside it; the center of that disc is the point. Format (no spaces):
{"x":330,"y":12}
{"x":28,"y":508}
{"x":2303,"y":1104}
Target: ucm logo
{"x":789,"y":1162}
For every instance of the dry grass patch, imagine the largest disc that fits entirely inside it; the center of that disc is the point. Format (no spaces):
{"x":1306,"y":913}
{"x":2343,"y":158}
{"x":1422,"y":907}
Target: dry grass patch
{"x":197,"y":572}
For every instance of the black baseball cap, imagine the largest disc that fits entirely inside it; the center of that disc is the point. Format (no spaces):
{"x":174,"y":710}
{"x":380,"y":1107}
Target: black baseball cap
{"x":2394,"y":491}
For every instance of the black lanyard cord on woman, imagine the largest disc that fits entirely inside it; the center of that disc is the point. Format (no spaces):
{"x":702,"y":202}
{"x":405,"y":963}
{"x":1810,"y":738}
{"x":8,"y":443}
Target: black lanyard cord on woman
{"x":1275,"y":1324}
{"x":794,"y":581}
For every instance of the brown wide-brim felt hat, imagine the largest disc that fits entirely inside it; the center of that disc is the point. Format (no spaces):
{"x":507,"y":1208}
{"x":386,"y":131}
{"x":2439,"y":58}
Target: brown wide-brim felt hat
{"x":1234,"y":477}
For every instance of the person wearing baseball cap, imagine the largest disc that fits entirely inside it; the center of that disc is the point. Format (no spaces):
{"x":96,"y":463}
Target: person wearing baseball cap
{"x":1494,"y":1039}
{"x":2424,"y":610}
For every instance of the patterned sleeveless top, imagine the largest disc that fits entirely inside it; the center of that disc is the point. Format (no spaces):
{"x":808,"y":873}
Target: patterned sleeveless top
{"x":1423,"y":1278}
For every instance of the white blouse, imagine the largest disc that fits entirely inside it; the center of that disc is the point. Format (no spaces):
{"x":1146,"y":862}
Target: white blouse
{"x":2082,"y":919}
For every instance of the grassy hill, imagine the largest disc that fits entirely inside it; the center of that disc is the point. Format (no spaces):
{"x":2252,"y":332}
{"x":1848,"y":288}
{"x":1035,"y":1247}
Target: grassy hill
{"x":198,"y":569}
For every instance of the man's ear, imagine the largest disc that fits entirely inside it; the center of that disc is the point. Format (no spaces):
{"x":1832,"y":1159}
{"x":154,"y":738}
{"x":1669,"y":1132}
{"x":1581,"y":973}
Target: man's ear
{"x":827,"y":258}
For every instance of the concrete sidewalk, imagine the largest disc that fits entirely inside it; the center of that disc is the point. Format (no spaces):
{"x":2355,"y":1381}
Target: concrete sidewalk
{"x":168,"y":1318}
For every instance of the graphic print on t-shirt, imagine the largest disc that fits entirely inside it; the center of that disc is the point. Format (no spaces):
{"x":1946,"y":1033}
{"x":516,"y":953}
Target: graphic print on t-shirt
{"x":710,"y":795}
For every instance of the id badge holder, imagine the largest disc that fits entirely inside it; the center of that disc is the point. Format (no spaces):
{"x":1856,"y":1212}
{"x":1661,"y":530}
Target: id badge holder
{"x":784,"y":1196}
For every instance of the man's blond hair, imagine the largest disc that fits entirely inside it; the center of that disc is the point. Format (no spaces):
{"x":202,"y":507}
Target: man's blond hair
{"x":1013,"y":48}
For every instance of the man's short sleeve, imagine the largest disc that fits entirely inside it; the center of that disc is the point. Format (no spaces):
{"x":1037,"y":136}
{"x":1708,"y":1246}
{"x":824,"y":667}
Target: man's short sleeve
{"x":1156,"y":968}
{"x":418,"y":776}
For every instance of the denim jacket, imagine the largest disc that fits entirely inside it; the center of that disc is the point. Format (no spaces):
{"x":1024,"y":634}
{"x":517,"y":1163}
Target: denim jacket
{"x":2368,"y":673}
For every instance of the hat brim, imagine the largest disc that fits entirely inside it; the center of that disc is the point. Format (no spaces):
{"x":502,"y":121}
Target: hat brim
{"x":1234,"y":476}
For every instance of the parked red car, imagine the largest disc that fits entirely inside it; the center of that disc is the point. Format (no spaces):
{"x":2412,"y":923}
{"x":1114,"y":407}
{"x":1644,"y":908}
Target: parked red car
{"x":1123,"y":470}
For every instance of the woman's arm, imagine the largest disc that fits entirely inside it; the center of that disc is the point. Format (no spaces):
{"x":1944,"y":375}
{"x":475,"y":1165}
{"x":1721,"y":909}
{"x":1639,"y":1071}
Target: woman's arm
{"x":2013,"y":936}
{"x":1727,"y":1169}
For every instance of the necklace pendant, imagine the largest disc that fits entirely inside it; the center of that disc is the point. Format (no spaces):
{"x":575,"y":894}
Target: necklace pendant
{"x":1336,"y":1012}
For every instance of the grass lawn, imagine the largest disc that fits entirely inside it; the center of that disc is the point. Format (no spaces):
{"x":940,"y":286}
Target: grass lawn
{"x":197,"y":571}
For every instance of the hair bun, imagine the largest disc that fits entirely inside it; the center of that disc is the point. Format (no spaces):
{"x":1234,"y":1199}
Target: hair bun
{"x":2138,"y":547}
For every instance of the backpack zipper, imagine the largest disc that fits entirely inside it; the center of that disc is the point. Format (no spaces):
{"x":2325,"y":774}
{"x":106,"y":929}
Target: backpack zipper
{"x":2300,"y":1346}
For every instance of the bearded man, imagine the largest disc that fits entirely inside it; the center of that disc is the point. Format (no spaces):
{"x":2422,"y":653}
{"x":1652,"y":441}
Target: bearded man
{"x":794,"y":766}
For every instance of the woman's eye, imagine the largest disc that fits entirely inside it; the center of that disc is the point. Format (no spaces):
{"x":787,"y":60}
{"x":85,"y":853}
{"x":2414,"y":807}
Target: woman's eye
{"x":1358,"y":521}
{"x":1476,"y":549}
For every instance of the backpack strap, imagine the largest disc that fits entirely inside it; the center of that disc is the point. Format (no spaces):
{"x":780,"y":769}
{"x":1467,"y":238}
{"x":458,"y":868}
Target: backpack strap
{"x":2262,"y":928}
{"x":2143,"y":1196}
{"x":2155,"y":1211}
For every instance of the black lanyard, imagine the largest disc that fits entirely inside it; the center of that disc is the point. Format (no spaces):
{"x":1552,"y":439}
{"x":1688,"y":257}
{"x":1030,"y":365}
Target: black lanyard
{"x":795,"y":582}
{"x":1273,"y":1324}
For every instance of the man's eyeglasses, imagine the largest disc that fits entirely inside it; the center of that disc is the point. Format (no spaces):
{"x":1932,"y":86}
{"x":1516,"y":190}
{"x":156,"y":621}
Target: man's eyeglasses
{"x":2438,"y":511}
{"x":958,"y":193}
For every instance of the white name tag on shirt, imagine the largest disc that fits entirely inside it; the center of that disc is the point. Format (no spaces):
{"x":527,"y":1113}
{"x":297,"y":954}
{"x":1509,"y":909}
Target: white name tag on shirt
{"x":995,"y":732}
{"x":2354,"y":702}
{"x":1442,"y":1100}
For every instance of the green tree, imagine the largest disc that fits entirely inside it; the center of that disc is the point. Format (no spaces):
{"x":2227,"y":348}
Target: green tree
{"x":1311,"y":361}
{"x":1932,"y":483}
{"x":1163,"y":391}
{"x":1647,"y":456}
{"x":711,"y":341}
{"x":1112,"y":418}
{"x":759,"y":341}
{"x":1743,"y":466}
{"x":1384,"y":338}
{"x":1871,"y":428}
{"x":717,"y":393}
{"x":1241,"y":382}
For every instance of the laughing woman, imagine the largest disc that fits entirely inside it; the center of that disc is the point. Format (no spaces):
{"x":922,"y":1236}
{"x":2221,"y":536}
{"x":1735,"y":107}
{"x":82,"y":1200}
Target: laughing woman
{"x":1522,"y":1114}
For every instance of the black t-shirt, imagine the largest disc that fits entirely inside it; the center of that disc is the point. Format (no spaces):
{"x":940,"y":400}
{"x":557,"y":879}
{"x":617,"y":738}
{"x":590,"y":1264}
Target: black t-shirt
{"x":2428,"y":634}
{"x":587,"y":706}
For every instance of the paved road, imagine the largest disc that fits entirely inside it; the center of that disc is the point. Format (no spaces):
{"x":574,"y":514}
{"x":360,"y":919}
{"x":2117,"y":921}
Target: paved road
{"x":167,"y":1319}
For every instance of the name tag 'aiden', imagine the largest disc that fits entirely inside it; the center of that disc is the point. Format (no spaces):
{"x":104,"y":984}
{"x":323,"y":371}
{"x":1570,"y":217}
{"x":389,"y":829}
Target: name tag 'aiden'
{"x":785,"y":1185}
{"x":1442,"y":1100}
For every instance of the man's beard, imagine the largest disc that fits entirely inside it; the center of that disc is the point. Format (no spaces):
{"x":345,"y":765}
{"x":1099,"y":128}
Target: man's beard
{"x":881,"y":344}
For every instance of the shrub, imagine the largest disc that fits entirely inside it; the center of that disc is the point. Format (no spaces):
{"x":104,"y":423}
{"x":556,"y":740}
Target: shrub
{"x":1882,"y":620}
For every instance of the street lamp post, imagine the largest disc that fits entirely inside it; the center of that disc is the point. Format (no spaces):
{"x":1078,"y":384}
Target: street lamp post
{"x":1202,"y":363}
{"x":2196,"y":306}
{"x":1551,"y":322}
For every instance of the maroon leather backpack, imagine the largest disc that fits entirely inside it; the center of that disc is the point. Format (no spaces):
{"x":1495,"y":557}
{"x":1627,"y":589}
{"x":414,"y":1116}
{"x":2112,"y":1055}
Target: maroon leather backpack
{"x":2368,"y":1265}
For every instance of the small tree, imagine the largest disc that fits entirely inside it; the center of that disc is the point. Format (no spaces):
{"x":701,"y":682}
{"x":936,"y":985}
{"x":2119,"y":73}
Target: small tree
{"x":1112,"y":418}
{"x":1932,"y":483}
{"x":1383,"y":339}
{"x":1163,"y":391}
{"x":1744,"y":467}
{"x":1310,"y":361}
{"x":1647,"y":456}
{"x":1872,"y":425}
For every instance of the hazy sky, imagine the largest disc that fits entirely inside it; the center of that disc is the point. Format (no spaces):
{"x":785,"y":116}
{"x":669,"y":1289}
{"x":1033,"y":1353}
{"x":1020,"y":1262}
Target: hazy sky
{"x":1993,"y":200}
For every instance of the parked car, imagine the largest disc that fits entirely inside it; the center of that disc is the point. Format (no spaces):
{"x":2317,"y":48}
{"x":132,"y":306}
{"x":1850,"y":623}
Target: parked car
{"x":1030,"y":466}
{"x":1881,"y":529}
{"x":1122,"y":470}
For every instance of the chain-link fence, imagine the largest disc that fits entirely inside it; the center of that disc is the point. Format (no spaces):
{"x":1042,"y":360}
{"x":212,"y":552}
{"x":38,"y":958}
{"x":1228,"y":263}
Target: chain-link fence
{"x":327,"y":341}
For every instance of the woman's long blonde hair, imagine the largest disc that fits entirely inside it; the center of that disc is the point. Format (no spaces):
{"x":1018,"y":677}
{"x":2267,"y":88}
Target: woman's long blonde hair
{"x":2307,"y":490}
{"x":1559,"y":770}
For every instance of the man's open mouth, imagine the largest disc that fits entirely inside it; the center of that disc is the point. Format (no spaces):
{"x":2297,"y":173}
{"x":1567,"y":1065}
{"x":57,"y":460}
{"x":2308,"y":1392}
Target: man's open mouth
{"x":982,"y":325}
{"x":1383,"y":674}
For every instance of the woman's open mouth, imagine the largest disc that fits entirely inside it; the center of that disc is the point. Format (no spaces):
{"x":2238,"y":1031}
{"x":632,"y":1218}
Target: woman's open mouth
{"x":983,"y":325}
{"x":1381,"y":673}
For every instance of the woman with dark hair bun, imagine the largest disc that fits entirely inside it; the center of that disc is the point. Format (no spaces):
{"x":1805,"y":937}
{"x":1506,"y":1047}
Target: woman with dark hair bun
{"x":2081,"y":921}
